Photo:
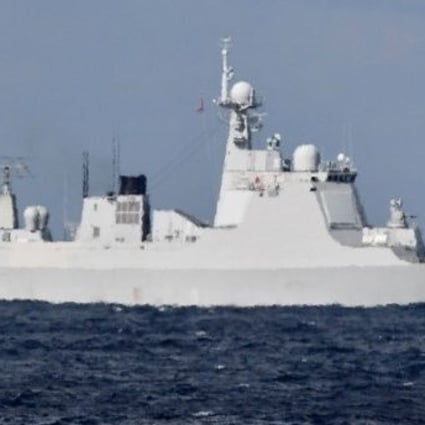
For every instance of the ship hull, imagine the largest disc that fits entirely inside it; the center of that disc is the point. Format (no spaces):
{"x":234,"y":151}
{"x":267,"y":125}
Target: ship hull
{"x":349,"y":286}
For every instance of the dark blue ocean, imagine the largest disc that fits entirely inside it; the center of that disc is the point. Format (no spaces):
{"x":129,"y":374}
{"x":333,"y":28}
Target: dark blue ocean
{"x":103,"y":364}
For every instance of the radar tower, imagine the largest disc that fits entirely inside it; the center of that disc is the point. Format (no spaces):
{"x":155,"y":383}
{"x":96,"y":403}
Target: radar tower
{"x":241,"y":101}
{"x":10,"y":166}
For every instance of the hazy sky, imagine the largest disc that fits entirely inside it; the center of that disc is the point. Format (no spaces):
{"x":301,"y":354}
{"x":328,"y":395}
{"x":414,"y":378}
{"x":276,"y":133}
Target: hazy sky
{"x":340,"y":74}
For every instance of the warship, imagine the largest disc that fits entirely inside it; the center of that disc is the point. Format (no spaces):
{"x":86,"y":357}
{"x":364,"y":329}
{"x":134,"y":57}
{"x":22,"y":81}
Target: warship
{"x":287,"y":231}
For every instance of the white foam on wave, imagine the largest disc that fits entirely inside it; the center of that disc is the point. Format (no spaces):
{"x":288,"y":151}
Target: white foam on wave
{"x":203,"y":413}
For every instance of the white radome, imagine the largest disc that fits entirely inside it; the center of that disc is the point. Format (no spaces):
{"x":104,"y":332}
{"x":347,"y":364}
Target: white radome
{"x":306,"y":158}
{"x":31,"y":218}
{"x":43,"y":214}
{"x":36,"y":217}
{"x":242,"y":93}
{"x":341,"y":157}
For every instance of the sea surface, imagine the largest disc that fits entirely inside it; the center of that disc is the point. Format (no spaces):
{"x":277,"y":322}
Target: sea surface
{"x":109,"y":364}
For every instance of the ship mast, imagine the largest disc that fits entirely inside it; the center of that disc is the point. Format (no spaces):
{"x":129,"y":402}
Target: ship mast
{"x":241,"y":101}
{"x":227,"y":72}
{"x":9,"y":213}
{"x":5,"y":188}
{"x":8,"y":165}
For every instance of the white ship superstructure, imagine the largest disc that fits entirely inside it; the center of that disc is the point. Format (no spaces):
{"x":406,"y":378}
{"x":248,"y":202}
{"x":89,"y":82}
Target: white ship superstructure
{"x":286,"y":231}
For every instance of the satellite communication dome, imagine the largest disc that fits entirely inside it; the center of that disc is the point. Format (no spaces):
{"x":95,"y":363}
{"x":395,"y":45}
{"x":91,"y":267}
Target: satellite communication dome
{"x":341,"y":157}
{"x":43,"y":214}
{"x":306,"y":158}
{"x":242,"y":93}
{"x":31,"y":217}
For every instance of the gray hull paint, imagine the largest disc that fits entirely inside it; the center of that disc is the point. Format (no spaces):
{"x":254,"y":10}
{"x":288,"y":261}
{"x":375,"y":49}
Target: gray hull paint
{"x":350,"y":286}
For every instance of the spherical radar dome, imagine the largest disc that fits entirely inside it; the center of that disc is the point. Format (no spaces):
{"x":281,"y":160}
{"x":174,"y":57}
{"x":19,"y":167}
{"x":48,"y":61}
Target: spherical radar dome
{"x":341,"y":157}
{"x":31,"y":217}
{"x":242,"y":93}
{"x":43,"y":213}
{"x":306,"y":158}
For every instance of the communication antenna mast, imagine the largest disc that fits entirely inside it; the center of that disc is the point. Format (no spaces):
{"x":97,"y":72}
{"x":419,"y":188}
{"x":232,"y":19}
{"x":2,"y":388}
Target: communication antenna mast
{"x":12,"y":166}
{"x":227,"y":71}
{"x":86,"y":174}
{"x":116,"y":160}
{"x":65,"y":205}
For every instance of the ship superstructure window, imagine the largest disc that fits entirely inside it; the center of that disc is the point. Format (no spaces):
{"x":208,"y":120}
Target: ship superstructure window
{"x":128,"y":212}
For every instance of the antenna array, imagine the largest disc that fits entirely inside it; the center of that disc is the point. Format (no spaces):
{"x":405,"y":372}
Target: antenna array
{"x":116,"y":160}
{"x":86,"y":174}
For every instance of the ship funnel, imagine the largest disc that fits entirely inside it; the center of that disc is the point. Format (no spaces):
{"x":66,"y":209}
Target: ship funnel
{"x":133,"y":185}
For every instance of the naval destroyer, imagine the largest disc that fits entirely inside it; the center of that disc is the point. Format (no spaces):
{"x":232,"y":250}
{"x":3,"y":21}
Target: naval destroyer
{"x":286,"y":231}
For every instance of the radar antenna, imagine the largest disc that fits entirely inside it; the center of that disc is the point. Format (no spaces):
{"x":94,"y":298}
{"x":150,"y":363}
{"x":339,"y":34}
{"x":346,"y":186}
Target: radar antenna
{"x":239,"y":104}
